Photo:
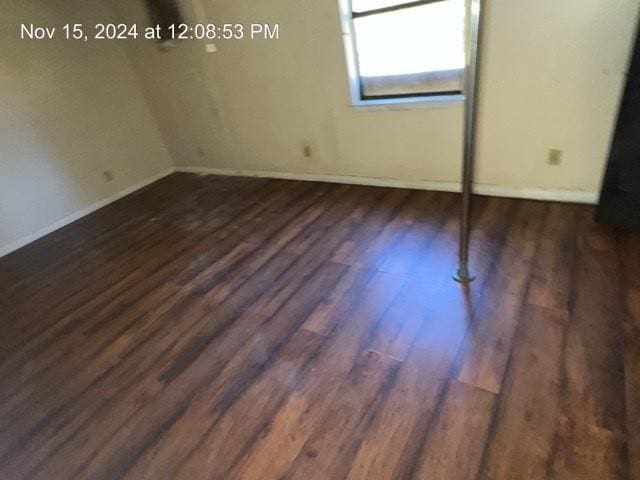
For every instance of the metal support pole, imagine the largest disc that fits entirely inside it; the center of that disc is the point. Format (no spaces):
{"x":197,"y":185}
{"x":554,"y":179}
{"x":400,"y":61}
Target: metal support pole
{"x":470,"y":121}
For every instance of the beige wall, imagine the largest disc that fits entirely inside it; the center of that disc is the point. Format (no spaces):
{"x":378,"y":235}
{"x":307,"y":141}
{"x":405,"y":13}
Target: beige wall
{"x":69,"y":111}
{"x":552,"y":75}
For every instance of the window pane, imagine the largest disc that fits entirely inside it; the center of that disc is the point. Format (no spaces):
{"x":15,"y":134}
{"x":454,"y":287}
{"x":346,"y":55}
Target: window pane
{"x":411,"y":51}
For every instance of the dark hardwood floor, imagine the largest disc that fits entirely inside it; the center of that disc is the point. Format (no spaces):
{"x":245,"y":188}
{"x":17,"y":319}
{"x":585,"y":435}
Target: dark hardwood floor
{"x":229,"y":328}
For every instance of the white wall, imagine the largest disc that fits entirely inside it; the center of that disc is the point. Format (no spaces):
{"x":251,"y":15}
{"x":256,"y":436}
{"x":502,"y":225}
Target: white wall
{"x":69,"y":111}
{"x":552,"y":74}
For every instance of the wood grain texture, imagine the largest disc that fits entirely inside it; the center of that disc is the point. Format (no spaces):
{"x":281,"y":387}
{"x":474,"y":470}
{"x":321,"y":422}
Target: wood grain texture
{"x":629,"y":245}
{"x":228,"y":328}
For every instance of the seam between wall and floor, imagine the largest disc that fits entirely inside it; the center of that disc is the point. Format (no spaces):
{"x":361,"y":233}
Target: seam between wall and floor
{"x":555,"y":195}
{"x":569,"y":196}
{"x":83,"y":212}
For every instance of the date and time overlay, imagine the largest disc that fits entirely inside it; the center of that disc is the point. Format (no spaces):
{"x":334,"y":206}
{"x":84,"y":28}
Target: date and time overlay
{"x":121,"y":31}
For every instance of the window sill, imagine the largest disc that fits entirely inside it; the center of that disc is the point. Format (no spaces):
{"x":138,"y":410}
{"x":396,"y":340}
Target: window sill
{"x":406,"y":103}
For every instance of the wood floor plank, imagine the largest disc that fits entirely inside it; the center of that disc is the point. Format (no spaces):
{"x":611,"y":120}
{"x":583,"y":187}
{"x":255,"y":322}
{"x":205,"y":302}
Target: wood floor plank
{"x":328,"y":451}
{"x":453,"y":448}
{"x":388,"y":448}
{"x":340,"y":302}
{"x":488,"y":344}
{"x":522,"y":437}
{"x":595,"y":347}
{"x":632,"y":382}
{"x":592,"y":435}
{"x":587,"y":452}
{"x":230,"y":435}
{"x":629,"y":256}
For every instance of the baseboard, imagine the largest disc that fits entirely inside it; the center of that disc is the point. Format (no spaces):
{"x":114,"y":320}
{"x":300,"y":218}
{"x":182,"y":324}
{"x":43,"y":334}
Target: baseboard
{"x":557,"y":195}
{"x":570,"y":196}
{"x":6,"y":249}
{"x":552,"y":195}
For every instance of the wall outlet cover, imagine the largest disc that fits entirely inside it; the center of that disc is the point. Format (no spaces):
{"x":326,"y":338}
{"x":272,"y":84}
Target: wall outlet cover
{"x":555,"y":157}
{"x":306,"y":150}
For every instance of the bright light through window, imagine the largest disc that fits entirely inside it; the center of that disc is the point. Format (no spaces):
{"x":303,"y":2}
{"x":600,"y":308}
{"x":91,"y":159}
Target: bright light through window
{"x":409,"y":48}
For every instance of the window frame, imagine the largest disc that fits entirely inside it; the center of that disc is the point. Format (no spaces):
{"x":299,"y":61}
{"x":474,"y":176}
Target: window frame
{"x":358,"y":97}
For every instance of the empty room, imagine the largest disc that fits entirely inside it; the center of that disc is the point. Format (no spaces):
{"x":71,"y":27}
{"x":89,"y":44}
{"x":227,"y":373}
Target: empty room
{"x":319,"y":239}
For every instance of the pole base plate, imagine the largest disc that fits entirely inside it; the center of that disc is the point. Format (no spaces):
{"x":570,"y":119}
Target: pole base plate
{"x":463,"y":276}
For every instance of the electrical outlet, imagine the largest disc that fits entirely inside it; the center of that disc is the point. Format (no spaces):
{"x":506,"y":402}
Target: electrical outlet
{"x":108,"y":176}
{"x":306,"y":150}
{"x":555,"y":157}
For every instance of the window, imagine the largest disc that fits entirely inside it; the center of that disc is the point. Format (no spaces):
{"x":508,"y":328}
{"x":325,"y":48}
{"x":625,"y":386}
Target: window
{"x":404,"y":48}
